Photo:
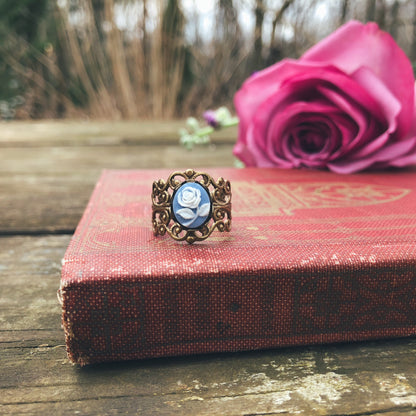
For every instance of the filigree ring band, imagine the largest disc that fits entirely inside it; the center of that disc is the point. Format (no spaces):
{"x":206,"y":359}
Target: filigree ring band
{"x":190,"y":205}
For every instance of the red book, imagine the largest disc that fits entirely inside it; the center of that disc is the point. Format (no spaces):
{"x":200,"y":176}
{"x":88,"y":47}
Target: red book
{"x":312,"y":257}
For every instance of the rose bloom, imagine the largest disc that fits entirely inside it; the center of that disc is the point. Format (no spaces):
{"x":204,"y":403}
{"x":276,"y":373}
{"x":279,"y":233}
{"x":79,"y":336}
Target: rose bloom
{"x":189,"y":197}
{"x":347,"y":105}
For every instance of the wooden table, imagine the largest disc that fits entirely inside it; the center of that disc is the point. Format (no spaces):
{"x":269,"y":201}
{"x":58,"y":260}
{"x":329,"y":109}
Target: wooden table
{"x":47,"y":172}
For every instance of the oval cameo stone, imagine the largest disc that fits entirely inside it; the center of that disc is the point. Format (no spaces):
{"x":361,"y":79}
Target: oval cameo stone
{"x":191,"y":205}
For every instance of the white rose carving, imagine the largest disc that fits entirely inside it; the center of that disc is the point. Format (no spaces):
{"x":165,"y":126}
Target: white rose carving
{"x":189,"y":197}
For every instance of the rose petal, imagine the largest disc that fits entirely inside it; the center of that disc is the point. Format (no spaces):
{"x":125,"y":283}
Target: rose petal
{"x":368,"y":127}
{"x":356,"y":112}
{"x":244,"y":154}
{"x":338,"y":82}
{"x":300,"y":116}
{"x":394,"y":151}
{"x":412,"y":131}
{"x":260,"y":157}
{"x":405,"y":160}
{"x":348,"y":166}
{"x":356,"y":45}
{"x":266,"y":83}
{"x":315,"y":91}
{"x":397,"y":154}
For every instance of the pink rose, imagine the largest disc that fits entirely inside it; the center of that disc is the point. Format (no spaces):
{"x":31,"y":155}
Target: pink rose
{"x":347,"y":105}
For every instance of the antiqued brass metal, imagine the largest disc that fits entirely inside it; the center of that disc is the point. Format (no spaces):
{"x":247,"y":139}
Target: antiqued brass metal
{"x":163,"y":218}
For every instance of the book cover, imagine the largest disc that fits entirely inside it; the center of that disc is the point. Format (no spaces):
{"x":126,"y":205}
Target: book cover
{"x":312,"y":257}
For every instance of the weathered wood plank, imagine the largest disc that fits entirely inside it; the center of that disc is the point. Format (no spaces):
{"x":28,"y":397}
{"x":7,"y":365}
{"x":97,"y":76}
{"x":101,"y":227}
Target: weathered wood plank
{"x":247,"y":383}
{"x":46,"y":189}
{"x":92,"y":133}
{"x":29,"y":279}
{"x":61,"y":161}
{"x":37,"y":378}
{"x":47,"y":172}
{"x":144,"y":407}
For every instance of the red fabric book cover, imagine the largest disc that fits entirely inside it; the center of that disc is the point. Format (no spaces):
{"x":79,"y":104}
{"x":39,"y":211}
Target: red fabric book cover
{"x":312,"y":257}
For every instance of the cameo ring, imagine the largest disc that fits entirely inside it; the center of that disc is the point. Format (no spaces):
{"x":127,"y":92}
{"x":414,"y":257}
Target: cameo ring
{"x":190,"y":205}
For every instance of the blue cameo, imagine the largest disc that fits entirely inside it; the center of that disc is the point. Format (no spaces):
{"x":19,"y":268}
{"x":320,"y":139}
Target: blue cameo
{"x":191,"y":205}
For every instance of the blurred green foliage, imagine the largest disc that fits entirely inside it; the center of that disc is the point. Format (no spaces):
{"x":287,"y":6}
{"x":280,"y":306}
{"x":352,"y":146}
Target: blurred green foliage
{"x":23,"y":36}
{"x":23,"y":17}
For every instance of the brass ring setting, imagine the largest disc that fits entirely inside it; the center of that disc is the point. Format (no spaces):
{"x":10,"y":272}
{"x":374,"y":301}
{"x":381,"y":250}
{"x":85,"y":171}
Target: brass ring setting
{"x":190,"y":205}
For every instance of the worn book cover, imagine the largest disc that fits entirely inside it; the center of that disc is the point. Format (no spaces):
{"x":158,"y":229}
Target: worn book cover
{"x":312,"y":257}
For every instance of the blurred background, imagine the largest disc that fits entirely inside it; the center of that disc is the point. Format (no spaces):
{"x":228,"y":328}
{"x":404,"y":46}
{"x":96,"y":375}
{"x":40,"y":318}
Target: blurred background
{"x":161,"y":59}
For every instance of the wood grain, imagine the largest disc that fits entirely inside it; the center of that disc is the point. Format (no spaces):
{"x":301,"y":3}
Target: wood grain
{"x":44,"y":187}
{"x":36,"y":376}
{"x":96,"y":133}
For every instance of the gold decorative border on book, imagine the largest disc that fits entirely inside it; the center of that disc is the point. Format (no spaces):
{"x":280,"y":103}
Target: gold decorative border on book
{"x":163,"y":219}
{"x":283,"y":199}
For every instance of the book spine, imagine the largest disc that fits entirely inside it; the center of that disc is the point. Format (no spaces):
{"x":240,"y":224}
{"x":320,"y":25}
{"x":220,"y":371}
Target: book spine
{"x":112,"y":320}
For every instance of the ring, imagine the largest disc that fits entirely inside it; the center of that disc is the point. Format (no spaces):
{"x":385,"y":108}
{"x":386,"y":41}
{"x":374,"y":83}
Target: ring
{"x":190,"y":205}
